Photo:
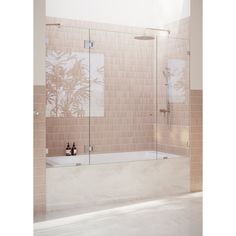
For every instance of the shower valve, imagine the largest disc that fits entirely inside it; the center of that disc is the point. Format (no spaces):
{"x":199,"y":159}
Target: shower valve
{"x":164,"y":111}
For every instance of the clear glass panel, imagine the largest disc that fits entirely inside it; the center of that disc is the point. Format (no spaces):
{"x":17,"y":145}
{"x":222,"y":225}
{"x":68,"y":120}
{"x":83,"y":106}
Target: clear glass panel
{"x":123,"y":104}
{"x":172,"y":123}
{"x":67,"y":90}
{"x":119,"y":97}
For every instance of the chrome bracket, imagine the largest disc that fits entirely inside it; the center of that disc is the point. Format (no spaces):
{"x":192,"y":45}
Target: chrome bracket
{"x":88,"y":44}
{"x":91,"y":148}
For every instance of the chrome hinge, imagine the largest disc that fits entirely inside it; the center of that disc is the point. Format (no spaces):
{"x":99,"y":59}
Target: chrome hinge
{"x":88,"y":44}
{"x":91,"y":148}
{"x":88,"y":149}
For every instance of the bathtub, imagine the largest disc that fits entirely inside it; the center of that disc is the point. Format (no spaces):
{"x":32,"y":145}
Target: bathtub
{"x":84,"y":187}
{"x":65,"y":161}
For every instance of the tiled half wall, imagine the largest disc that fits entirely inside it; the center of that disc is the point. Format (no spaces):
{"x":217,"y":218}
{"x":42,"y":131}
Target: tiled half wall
{"x":196,"y":140}
{"x":39,"y":150}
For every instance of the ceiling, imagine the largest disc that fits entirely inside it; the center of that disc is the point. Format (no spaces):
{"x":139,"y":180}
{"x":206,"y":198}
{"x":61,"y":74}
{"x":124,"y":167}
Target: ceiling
{"x":140,"y":13}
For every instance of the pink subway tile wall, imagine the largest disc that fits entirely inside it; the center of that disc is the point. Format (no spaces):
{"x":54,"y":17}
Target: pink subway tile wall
{"x":61,"y":130}
{"x":172,"y":128}
{"x":129,"y":98}
{"x":39,"y":150}
{"x":127,"y":123}
{"x":196,"y":140}
{"x":180,"y":29}
{"x":131,"y":121}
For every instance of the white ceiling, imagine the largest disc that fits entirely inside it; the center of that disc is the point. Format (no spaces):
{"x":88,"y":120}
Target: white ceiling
{"x":141,"y":13}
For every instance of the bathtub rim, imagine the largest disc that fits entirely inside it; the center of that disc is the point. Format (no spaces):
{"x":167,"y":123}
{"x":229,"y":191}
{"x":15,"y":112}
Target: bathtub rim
{"x":118,"y":162}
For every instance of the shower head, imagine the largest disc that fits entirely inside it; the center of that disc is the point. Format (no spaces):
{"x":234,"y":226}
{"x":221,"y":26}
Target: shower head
{"x":144,"y":37}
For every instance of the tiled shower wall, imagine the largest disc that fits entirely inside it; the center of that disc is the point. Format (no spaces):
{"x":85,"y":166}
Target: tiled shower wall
{"x":172,"y":130}
{"x":127,"y":124}
{"x":180,"y":29}
{"x":196,"y":140}
{"x":39,"y":150}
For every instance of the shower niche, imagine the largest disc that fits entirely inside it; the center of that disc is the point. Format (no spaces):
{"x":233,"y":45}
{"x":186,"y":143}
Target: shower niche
{"x":120,"y":93}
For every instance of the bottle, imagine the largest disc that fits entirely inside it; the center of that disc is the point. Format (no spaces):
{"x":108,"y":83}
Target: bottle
{"x":73,"y":150}
{"x":68,"y":150}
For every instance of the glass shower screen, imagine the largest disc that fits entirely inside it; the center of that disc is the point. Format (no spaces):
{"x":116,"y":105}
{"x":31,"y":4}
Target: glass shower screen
{"x":67,"y":93}
{"x":119,"y":93}
{"x":172,"y":123}
{"x":122,"y":98}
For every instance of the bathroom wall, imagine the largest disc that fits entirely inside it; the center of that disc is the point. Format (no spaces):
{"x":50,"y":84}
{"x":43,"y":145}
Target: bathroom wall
{"x":127,"y":121}
{"x":129,"y":79}
{"x":39,"y":42}
{"x":191,"y":28}
{"x":172,"y":130}
{"x":196,"y":140}
{"x":196,"y":44}
{"x":39,"y":150}
{"x":196,"y":94}
{"x":39,"y":106}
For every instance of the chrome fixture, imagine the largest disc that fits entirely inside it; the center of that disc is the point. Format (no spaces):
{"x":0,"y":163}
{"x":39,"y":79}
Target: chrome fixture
{"x":167,"y":74}
{"x":144,"y":37}
{"x":164,"y":30}
{"x":91,"y":148}
{"x":88,"y":148}
{"x":150,"y":37}
{"x":53,"y":24}
{"x":36,"y":113}
{"x":88,"y":44}
{"x":165,"y":111}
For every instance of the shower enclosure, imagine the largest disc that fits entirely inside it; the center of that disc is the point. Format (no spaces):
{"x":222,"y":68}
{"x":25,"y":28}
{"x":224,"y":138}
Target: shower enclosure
{"x":121,"y":94}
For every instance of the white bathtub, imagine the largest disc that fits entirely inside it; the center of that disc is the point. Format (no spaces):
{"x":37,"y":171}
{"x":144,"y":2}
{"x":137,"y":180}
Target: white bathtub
{"x":86,"y":186}
{"x":61,"y":161}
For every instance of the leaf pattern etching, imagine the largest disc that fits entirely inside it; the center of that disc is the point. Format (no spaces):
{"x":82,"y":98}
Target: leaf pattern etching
{"x":69,"y":85}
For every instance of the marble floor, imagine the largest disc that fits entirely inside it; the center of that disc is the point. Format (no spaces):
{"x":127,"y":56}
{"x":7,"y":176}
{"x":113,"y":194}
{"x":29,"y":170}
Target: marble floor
{"x":173,"y":216}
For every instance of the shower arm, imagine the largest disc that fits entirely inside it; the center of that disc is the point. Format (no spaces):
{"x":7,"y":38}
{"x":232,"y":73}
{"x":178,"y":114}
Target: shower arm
{"x":53,"y":24}
{"x":164,"y":30}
